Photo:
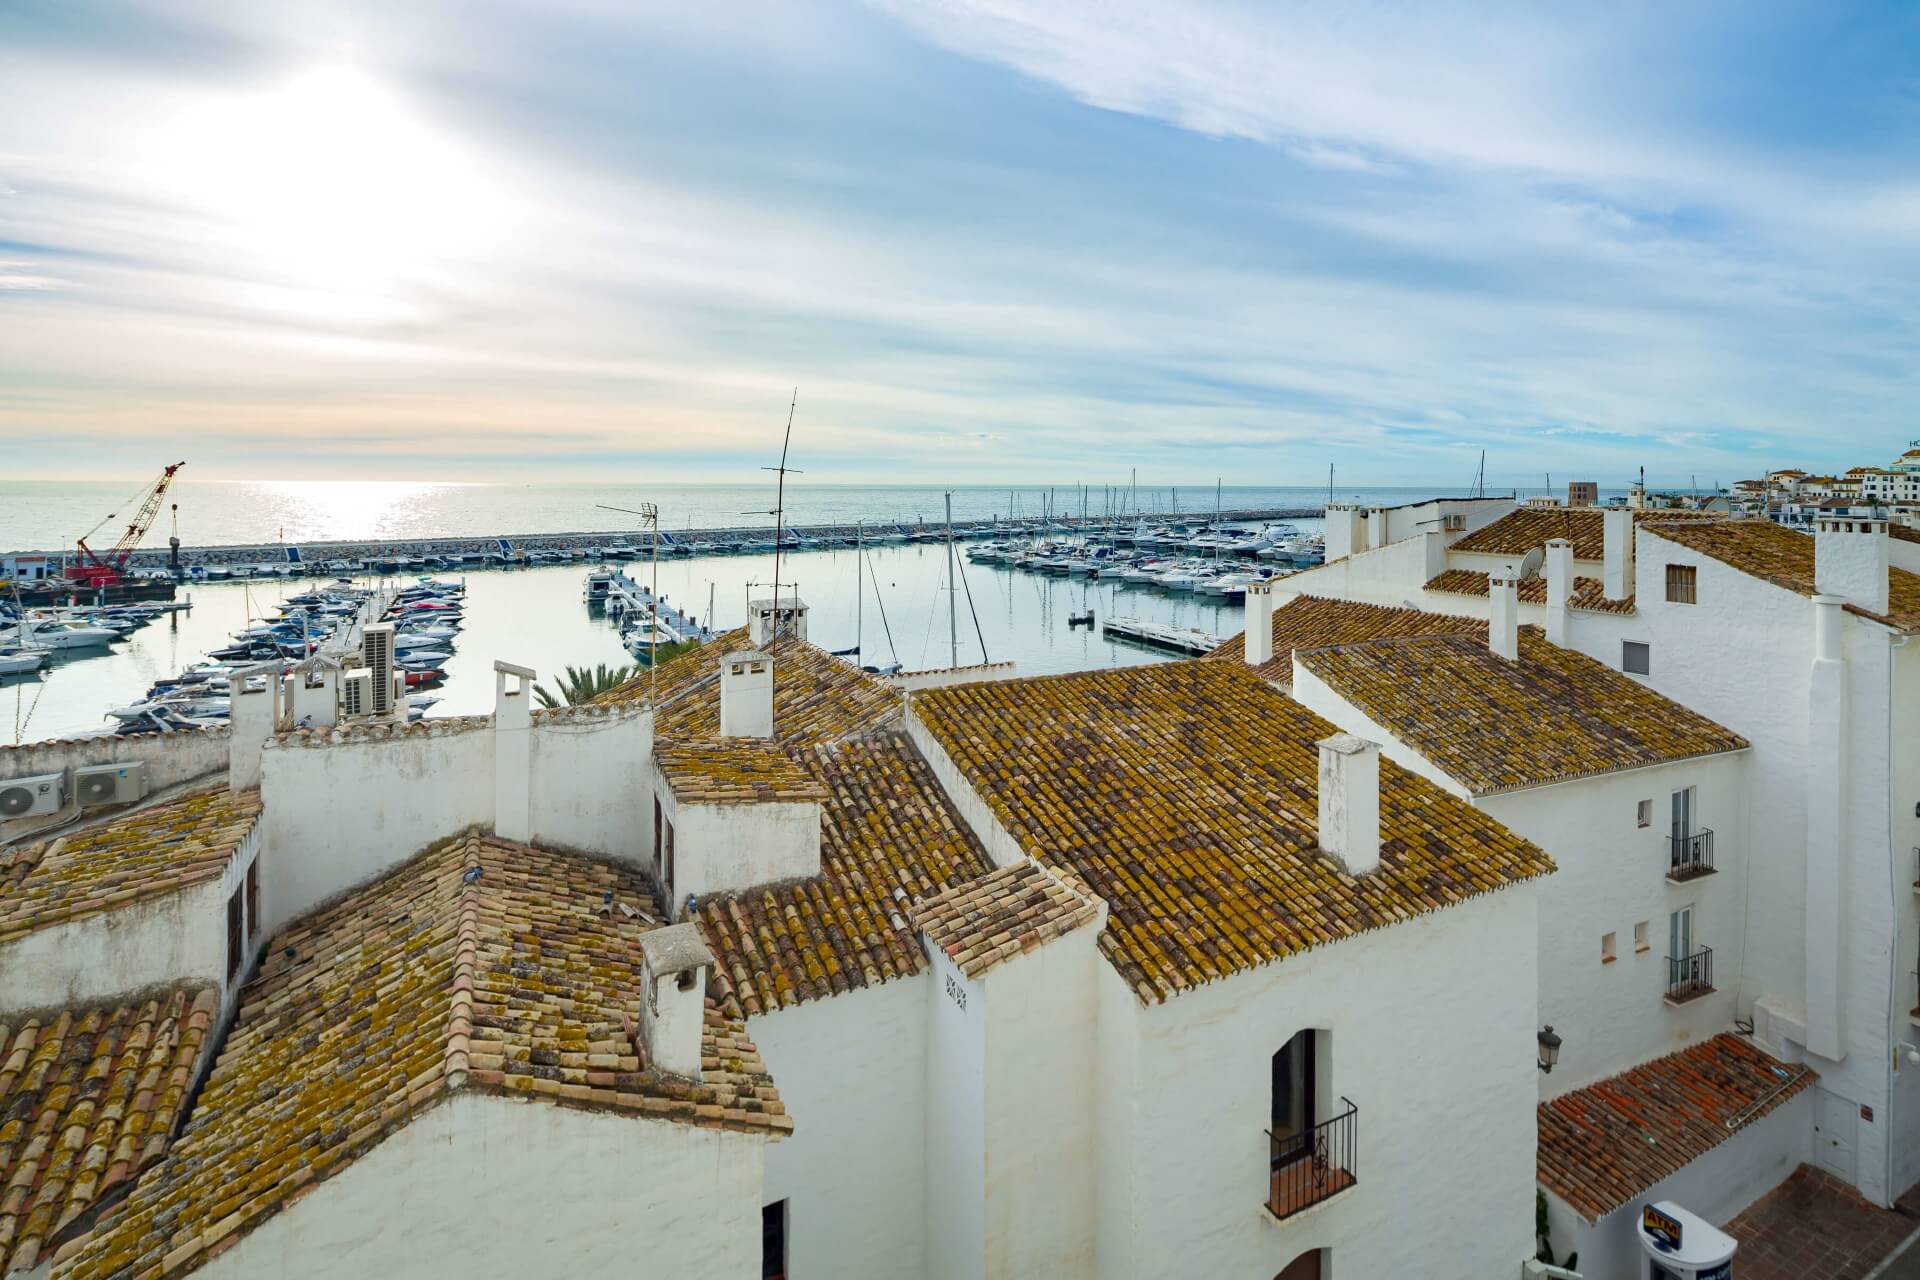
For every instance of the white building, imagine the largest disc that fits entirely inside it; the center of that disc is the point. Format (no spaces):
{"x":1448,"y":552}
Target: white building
{"x":1132,"y":973}
{"x":1801,"y":645}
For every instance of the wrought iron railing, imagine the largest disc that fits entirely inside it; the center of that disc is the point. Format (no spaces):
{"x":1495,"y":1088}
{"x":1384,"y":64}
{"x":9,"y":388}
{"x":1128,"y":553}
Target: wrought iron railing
{"x":1690,"y":856}
{"x":1310,"y":1166}
{"x":1690,"y":976}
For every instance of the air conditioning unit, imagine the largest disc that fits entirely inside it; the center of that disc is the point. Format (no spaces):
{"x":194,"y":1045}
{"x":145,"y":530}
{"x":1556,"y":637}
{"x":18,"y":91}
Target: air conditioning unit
{"x":26,"y":797}
{"x":99,"y":784}
{"x":356,"y":693}
{"x":376,"y":647}
{"x":1453,"y":523}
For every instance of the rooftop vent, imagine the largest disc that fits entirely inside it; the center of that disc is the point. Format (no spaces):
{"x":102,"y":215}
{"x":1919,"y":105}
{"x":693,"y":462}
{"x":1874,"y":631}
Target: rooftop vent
{"x":1850,"y":558}
{"x":674,"y":964}
{"x":1350,"y":801}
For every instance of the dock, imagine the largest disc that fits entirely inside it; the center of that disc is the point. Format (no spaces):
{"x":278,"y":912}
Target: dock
{"x":1158,"y":635}
{"x":506,"y":549}
{"x":625,"y":596}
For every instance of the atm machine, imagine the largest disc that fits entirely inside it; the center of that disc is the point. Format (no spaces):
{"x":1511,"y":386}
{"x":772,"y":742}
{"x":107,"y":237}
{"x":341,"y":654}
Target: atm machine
{"x":1680,"y":1246}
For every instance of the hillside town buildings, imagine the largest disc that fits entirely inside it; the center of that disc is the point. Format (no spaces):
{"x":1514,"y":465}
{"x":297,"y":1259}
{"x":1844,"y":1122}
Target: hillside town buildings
{"x":1571,"y":848}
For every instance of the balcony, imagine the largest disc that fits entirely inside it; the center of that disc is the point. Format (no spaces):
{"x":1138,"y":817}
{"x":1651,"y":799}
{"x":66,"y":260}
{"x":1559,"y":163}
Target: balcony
{"x":1689,"y":977}
{"x":1689,"y":857}
{"x":1313,"y":1165}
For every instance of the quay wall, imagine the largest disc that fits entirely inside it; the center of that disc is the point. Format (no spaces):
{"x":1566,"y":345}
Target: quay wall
{"x":275,"y":552}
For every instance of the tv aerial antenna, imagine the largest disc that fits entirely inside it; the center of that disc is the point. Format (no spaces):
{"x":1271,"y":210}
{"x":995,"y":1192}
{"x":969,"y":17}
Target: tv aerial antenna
{"x":779,"y":512}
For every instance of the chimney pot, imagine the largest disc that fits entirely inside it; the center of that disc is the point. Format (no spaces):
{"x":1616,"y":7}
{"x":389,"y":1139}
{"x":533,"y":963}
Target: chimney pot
{"x":1559,"y":589}
{"x":674,"y":965}
{"x":746,"y":694}
{"x":1850,"y":560}
{"x":1350,"y":801}
{"x":1503,"y":616}
{"x":1617,"y":574}
{"x":1259,"y":637}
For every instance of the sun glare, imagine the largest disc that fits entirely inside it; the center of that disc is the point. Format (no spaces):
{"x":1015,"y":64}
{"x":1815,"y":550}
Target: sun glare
{"x":331,"y":183}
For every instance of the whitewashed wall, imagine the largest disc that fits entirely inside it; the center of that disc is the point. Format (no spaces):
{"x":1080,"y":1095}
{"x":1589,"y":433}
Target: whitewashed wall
{"x":1391,"y":575}
{"x":943,"y":677}
{"x":490,"y":1185}
{"x":1432,"y":1038}
{"x":723,"y":847}
{"x":956,"y":1123}
{"x":174,"y":937}
{"x":589,"y":789}
{"x":1612,"y":876}
{"x":1716,"y":1187}
{"x":1904,"y":1087}
{"x":853,"y":1171}
{"x":340,"y":813}
{"x":1040,"y":1012}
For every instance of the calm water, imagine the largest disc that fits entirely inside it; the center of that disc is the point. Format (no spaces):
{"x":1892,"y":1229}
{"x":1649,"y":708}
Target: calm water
{"x":536,"y":617}
{"x":50,"y":515}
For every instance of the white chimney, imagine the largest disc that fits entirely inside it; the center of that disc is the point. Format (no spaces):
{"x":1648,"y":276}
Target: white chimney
{"x":1559,"y":589}
{"x":766,"y":618}
{"x":512,"y":751}
{"x":254,"y":717}
{"x":1617,"y":577}
{"x":1259,"y":641}
{"x":1346,"y":531}
{"x":1350,"y":801}
{"x":746,"y":695}
{"x":1503,"y":616}
{"x":674,"y":964}
{"x":1850,"y":559}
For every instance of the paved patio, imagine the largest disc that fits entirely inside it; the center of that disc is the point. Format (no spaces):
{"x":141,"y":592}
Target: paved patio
{"x":1813,"y":1225}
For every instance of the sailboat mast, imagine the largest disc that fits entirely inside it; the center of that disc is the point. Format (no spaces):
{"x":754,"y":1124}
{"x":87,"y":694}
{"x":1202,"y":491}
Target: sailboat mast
{"x":859,"y":596}
{"x":953,"y":587}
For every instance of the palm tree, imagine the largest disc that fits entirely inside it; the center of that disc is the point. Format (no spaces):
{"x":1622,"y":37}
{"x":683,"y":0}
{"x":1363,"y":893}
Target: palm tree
{"x":583,"y":685}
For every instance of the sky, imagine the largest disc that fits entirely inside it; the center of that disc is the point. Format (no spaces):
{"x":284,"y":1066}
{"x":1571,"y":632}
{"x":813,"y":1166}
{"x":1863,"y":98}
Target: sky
{"x":985,"y":240}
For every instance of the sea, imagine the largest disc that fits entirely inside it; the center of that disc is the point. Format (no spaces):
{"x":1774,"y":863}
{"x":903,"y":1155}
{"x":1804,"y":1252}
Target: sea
{"x":898,"y":603}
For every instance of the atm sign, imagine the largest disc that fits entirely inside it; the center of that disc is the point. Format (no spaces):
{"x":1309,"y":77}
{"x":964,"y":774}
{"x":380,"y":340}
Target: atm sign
{"x":1661,"y":1228}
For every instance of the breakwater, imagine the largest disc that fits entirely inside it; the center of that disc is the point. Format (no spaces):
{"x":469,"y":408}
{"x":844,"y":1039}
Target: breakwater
{"x":517,"y":547}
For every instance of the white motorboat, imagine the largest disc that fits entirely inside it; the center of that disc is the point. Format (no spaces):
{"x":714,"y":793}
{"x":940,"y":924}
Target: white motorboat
{"x":35,"y":633}
{"x":15,"y":662}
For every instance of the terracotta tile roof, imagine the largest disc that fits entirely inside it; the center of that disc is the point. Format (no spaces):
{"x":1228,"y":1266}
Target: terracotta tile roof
{"x":1183,"y":794}
{"x":88,"y":1099}
{"x":1309,"y":622}
{"x":1605,"y":1144}
{"x":734,"y":771}
{"x":140,"y":854}
{"x":816,"y":696}
{"x":1903,"y":533}
{"x":888,"y":835}
{"x":518,"y":981}
{"x":1003,"y":914}
{"x":1784,"y":557}
{"x":1588,"y":593}
{"x":1491,"y":724}
{"x":1519,"y":532}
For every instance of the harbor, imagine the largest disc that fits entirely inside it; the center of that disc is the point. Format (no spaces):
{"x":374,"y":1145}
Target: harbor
{"x":889,"y":604}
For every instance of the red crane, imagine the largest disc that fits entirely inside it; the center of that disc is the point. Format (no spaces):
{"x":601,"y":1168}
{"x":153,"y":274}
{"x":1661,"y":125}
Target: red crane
{"x":96,"y":571}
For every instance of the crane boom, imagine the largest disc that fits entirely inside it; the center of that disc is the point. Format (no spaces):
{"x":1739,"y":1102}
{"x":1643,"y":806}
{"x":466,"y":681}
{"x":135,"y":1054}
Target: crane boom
{"x":96,"y":571}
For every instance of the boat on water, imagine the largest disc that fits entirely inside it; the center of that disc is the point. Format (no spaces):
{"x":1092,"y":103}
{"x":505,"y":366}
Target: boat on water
{"x":37,"y":633}
{"x":18,"y":662}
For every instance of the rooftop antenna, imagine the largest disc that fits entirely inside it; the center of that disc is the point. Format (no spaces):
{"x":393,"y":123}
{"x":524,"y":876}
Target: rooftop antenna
{"x":953,"y":600}
{"x":779,"y":512}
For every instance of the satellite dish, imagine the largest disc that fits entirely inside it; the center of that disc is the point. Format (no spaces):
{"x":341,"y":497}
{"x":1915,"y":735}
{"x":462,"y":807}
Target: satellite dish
{"x":1531,"y":563}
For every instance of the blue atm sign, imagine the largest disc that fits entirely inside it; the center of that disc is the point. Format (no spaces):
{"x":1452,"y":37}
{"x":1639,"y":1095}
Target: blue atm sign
{"x":1661,"y":1228}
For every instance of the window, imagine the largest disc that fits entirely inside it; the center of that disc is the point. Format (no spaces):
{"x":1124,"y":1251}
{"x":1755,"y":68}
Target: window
{"x":1606,"y":948}
{"x":1635,"y":658}
{"x":1680,"y":933}
{"x":1293,"y":1090}
{"x":253,"y":898}
{"x":1640,"y":942}
{"x":773,"y":1241}
{"x":1682,"y":814}
{"x":1644,"y":814}
{"x":1681,"y":581}
{"x":667,"y":880}
{"x":236,"y":942}
{"x":657,"y":853}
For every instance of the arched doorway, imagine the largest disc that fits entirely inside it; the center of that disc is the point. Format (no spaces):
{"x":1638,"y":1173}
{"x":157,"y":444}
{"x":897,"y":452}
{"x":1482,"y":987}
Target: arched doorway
{"x":1305,"y":1267}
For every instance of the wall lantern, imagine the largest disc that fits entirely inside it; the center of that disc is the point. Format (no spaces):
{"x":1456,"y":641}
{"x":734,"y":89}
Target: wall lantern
{"x":1549,"y":1048}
